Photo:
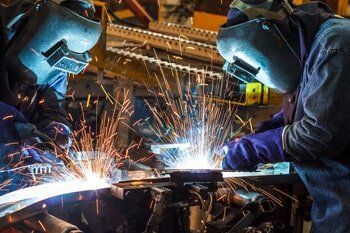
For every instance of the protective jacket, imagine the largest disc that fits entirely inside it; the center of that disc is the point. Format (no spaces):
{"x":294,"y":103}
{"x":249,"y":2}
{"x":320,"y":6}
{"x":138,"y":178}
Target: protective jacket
{"x":40,"y":104}
{"x":319,"y":137}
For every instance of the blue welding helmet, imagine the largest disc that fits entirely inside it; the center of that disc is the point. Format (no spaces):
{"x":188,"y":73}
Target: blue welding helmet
{"x":55,"y":37}
{"x":256,"y":48}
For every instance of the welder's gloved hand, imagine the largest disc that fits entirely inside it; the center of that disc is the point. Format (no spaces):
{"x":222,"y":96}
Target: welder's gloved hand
{"x":15,"y":150}
{"x":8,"y":116}
{"x":246,"y":153}
{"x":59,"y":133}
{"x":26,"y":151}
{"x":275,"y":122}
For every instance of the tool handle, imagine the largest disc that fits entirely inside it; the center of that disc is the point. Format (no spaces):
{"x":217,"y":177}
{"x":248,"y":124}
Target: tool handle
{"x":25,"y":130}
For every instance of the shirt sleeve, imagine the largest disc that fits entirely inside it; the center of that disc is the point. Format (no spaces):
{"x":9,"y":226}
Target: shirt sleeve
{"x":323,"y":129}
{"x":51,"y":106}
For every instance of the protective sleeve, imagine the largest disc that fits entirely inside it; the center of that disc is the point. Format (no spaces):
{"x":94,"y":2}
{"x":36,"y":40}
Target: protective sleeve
{"x":324,"y":127}
{"x":51,"y":102}
{"x":51,"y":113}
{"x":246,"y":153}
{"x":275,"y":122}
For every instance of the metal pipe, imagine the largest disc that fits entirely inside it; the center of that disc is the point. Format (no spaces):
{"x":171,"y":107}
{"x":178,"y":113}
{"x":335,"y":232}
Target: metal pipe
{"x":138,"y":10}
{"x":48,"y":223}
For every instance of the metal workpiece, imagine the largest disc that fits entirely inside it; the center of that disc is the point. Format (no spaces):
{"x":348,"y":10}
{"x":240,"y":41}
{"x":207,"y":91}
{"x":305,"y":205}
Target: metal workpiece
{"x":172,"y":44}
{"x":16,"y":212}
{"x":159,"y":148}
{"x":195,"y":176}
{"x":198,"y":34}
{"x":188,"y":196}
{"x":177,"y":179}
{"x":131,"y":165}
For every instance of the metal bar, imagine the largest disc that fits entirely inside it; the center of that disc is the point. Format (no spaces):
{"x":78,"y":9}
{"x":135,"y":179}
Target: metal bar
{"x":165,"y":64}
{"x":198,"y":34}
{"x":138,"y":10}
{"x":172,"y":44}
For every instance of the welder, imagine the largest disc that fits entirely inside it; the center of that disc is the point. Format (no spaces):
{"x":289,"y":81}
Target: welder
{"x":303,"y":52}
{"x":41,"y":43}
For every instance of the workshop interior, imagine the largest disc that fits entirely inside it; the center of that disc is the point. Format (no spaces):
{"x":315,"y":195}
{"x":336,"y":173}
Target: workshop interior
{"x":134,"y":116}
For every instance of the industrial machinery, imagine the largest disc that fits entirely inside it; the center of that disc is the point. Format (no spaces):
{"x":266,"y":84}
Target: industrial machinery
{"x":172,"y":201}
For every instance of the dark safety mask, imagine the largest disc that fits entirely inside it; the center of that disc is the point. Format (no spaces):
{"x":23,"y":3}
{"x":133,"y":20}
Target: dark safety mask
{"x":54,"y":39}
{"x":256,"y":49}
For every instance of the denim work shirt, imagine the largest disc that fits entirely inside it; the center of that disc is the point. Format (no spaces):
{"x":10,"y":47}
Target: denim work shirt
{"x":319,"y":138}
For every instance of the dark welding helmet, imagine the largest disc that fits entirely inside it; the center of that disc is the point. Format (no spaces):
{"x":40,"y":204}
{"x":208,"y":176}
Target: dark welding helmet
{"x":56,"y":37}
{"x":256,"y":48}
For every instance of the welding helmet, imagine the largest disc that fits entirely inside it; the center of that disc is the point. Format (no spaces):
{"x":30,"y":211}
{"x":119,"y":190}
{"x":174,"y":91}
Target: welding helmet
{"x":56,"y":36}
{"x":254,"y":47}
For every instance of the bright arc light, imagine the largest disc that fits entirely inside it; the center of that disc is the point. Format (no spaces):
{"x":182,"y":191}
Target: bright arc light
{"x":200,"y":153}
{"x":44,"y":191}
{"x":193,"y":162}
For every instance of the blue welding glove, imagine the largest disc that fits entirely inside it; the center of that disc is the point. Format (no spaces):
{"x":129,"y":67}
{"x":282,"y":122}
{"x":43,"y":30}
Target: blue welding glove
{"x":246,"y":153}
{"x":8,"y":116}
{"x":15,"y":150}
{"x":59,"y":133}
{"x":276,"y":121}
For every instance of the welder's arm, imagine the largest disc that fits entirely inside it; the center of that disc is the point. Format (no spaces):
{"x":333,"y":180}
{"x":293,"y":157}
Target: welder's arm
{"x":265,"y":146}
{"x":276,"y":121}
{"x":51,"y":114}
{"x":246,"y":153}
{"x":323,"y":131}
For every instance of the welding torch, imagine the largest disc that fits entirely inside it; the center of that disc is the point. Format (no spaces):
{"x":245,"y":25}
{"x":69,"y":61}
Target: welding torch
{"x":29,"y":130}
